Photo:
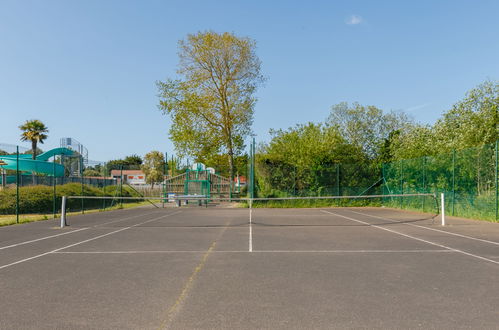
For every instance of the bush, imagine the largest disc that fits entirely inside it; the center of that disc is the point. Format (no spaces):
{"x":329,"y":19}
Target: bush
{"x":39,"y":199}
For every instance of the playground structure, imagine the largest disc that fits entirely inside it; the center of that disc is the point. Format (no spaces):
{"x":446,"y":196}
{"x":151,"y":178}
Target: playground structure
{"x":67,"y":165}
{"x":200,"y":181}
{"x":39,"y":165}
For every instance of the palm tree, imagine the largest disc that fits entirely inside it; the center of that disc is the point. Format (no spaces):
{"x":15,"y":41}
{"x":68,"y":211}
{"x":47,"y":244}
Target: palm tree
{"x":33,"y":130}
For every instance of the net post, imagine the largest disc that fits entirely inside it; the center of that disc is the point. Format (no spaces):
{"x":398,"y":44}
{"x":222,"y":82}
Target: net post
{"x":442,"y":201}
{"x":63,"y":212}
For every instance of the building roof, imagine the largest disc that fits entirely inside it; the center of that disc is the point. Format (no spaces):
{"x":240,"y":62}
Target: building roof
{"x":126,"y":172}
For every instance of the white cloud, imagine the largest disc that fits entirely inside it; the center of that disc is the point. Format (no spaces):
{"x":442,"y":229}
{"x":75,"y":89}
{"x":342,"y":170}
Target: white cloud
{"x":354,"y":20}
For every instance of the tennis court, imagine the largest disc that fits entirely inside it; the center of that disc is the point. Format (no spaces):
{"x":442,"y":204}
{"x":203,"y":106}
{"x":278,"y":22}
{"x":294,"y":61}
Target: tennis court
{"x":262,"y":268}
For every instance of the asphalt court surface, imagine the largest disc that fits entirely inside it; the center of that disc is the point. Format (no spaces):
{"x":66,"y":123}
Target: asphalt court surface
{"x":227,"y":268}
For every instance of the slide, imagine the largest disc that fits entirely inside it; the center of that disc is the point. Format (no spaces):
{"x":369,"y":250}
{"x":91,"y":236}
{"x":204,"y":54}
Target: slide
{"x":39,"y":165}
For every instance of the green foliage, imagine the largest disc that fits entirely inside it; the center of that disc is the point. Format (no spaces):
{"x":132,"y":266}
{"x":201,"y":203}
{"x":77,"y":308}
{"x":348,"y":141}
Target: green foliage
{"x":129,"y":162}
{"x":472,"y":121}
{"x":33,"y":131}
{"x":211,"y":107}
{"x":91,"y":172}
{"x":39,"y":199}
{"x":133,"y":160}
{"x":309,"y":160}
{"x":367,"y":127}
{"x":154,"y":167}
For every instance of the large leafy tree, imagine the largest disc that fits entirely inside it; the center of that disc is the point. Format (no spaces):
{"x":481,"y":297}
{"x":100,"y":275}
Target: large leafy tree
{"x":153,"y":167}
{"x":34,"y":131}
{"x":472,"y":121}
{"x":367,"y":127}
{"x":211,"y":106}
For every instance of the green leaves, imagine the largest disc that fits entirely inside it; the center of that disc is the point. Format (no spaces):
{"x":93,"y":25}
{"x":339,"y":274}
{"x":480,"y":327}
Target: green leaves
{"x":211,"y":107}
{"x":153,"y":167}
{"x":34,"y":131}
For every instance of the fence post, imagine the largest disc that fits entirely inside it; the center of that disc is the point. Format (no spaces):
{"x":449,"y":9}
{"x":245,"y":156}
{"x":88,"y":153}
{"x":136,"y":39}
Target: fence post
{"x":496,"y":178}
{"x":424,"y":179}
{"x":453,"y":179}
{"x":121,"y":186}
{"x":338,"y":179}
{"x":82,"y":190}
{"x":401,"y":183}
{"x":442,"y":201}
{"x":17,"y":184}
{"x":54,"y":186}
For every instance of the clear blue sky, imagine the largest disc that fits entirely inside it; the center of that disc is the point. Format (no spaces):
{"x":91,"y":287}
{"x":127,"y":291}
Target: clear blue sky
{"x":87,"y":69}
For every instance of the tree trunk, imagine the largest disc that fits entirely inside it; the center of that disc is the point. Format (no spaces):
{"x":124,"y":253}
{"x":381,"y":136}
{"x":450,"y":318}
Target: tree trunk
{"x":33,"y":148}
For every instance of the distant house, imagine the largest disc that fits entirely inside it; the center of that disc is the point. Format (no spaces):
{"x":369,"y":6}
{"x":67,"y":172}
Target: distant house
{"x":240,"y":181}
{"x":132,"y":177}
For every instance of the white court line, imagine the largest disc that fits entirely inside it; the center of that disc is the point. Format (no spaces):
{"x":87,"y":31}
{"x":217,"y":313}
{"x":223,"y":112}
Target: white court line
{"x":250,"y":248}
{"x":434,"y":229}
{"x":415,"y":238}
{"x":123,"y":219}
{"x":41,"y":239}
{"x":85,"y":241}
{"x":70,"y":232}
{"x":259,"y":251}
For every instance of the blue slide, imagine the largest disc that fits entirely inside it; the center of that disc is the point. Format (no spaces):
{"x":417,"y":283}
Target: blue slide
{"x":40,"y":165}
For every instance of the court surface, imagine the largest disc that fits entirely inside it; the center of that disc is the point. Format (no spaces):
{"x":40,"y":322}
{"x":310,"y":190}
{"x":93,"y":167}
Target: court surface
{"x":213,"y":268}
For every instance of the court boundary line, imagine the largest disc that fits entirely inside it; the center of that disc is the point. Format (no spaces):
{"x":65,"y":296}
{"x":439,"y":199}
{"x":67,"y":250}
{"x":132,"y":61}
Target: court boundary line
{"x":69,"y":232}
{"x":257,"y":251}
{"x":82,"y":242}
{"x":42,"y":238}
{"x":423,"y":227}
{"x":415,"y":238}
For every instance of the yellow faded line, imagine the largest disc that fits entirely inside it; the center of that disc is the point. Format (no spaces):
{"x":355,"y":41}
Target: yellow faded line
{"x":188,"y":285}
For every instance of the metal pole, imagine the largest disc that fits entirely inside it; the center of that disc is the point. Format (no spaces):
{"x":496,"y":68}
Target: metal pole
{"x":17,"y":184}
{"x":121,"y":186}
{"x":63,"y":212}
{"x":453,"y":179}
{"x":424,"y":179}
{"x":54,"y":184}
{"x":442,"y":201}
{"x":164,"y":179}
{"x":81,"y":177}
{"x":496,"y":178}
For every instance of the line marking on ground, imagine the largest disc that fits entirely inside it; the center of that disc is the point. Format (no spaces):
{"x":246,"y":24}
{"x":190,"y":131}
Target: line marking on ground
{"x":41,"y":239}
{"x":123,"y":219}
{"x":174,"y":309}
{"x":259,"y":251}
{"x":85,"y":241}
{"x":434,"y":229}
{"x":415,"y":238}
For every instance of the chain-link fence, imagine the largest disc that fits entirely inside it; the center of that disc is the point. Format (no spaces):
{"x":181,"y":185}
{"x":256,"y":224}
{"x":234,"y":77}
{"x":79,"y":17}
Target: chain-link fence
{"x":33,"y":188}
{"x":467,"y":177}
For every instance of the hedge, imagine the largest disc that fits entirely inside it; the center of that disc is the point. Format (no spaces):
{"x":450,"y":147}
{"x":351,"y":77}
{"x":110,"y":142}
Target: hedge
{"x":39,"y":199}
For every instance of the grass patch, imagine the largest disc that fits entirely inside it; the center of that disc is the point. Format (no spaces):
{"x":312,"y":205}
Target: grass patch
{"x":7,"y":220}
